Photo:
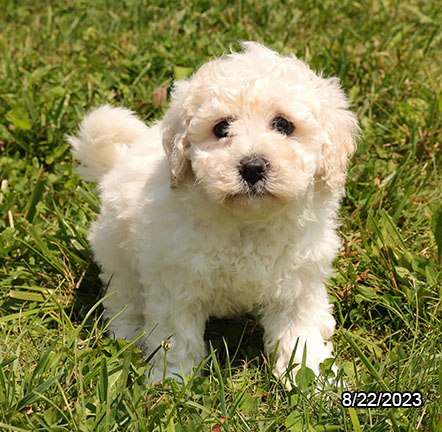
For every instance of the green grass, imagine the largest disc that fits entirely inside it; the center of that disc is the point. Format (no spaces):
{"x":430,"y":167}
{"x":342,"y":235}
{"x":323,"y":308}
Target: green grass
{"x":58,"y":370}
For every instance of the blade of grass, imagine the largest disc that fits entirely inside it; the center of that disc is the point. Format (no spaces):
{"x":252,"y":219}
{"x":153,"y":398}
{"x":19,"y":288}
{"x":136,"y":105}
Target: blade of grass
{"x":36,"y":196}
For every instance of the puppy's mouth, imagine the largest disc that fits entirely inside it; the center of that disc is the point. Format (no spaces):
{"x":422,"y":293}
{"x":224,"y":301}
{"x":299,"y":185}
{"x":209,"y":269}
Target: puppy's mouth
{"x":255,"y":201}
{"x":254,"y":173}
{"x":256,"y":195}
{"x":257,"y":190}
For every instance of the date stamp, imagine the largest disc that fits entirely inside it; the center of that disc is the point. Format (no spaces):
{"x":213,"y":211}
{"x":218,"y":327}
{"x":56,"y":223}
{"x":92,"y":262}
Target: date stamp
{"x":360,"y":399}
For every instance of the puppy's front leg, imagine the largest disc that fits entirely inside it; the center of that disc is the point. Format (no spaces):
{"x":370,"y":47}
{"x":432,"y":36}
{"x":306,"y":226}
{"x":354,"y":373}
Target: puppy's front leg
{"x":185,"y":327}
{"x":306,"y":322}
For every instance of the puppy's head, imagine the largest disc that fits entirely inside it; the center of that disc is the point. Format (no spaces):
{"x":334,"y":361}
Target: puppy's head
{"x":255,"y":129}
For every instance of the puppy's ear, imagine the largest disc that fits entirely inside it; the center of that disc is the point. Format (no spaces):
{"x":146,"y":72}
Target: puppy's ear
{"x":340,"y":131}
{"x":175,"y":133}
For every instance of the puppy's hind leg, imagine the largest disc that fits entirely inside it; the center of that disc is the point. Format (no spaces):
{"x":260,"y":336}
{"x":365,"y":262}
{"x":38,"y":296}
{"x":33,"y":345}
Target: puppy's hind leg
{"x":122,"y":307}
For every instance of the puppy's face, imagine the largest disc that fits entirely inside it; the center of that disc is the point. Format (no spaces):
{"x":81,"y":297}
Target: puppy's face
{"x":247,"y":148}
{"x":257,"y":130}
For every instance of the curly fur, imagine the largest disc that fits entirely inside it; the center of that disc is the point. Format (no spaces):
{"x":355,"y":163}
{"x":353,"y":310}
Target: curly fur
{"x":180,"y":238}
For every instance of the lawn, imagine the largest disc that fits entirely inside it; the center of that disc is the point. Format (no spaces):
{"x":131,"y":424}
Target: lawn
{"x":58,"y":371}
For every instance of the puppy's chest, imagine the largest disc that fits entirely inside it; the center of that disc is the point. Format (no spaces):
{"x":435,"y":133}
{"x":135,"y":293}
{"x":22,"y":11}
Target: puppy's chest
{"x":245,"y":257}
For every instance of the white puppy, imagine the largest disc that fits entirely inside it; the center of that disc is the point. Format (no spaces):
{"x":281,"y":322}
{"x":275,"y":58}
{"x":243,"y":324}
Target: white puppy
{"x":228,"y":205}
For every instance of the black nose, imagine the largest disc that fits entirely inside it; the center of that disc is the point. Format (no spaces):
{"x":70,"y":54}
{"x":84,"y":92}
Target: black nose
{"x":253,"y":169}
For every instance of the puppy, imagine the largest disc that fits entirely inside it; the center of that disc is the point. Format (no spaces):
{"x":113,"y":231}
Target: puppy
{"x":228,"y":205}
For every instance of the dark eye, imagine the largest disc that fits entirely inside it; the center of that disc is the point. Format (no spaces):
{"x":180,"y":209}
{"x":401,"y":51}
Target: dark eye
{"x":283,"y":126}
{"x":221,"y":129}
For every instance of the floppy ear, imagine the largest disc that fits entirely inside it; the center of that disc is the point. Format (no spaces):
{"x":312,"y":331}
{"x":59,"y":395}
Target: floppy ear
{"x":175,"y":133}
{"x":340,"y":131}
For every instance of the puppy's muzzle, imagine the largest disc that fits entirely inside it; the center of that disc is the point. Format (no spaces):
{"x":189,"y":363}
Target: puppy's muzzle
{"x":253,"y":169}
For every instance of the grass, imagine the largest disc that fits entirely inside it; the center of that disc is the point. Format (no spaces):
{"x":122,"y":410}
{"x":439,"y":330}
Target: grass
{"x":59,"y":372}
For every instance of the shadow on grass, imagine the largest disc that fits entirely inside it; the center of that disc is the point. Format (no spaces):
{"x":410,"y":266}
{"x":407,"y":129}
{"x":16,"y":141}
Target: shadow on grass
{"x":88,"y":293}
{"x":241,"y":336}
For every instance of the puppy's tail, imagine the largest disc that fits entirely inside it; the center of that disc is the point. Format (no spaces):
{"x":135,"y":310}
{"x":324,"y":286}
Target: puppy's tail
{"x":104,"y":135}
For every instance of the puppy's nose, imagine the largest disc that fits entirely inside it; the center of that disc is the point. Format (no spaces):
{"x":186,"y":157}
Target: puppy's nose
{"x":253,"y":169}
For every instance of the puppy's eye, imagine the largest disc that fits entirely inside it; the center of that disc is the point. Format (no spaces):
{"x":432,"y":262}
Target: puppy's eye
{"x":221,"y":129}
{"x":283,"y":126}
